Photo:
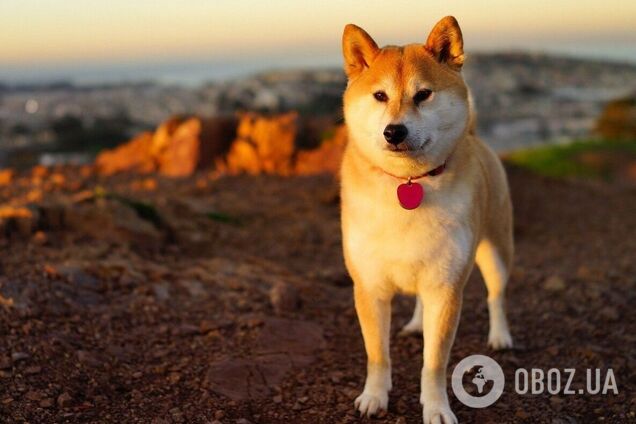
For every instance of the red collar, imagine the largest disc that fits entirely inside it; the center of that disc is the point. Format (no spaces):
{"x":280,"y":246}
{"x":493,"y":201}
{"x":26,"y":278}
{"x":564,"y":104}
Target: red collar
{"x":433,"y":173}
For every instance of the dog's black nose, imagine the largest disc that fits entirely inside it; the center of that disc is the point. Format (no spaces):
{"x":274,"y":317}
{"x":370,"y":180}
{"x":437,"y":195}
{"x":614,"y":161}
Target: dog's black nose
{"x":395,"y":134}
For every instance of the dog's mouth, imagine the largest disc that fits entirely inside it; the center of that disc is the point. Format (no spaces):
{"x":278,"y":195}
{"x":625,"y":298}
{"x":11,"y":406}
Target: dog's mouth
{"x":406,"y":148}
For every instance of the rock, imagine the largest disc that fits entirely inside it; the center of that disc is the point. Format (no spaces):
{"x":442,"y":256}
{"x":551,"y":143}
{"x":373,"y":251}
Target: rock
{"x":38,"y":172}
{"x":585,"y":272}
{"x":33,"y":370}
{"x":111,"y":220}
{"x":195,"y":144}
{"x":181,"y":153}
{"x":401,"y":406}
{"x":186,"y":330}
{"x":33,"y":395}
{"x":161,"y":291}
{"x":324,"y":159}
{"x":298,"y":339}
{"x":64,"y":400}
{"x":554,"y":283}
{"x":254,"y":144}
{"x":19,"y":356}
{"x":610,"y":313}
{"x":17,"y":220}
{"x":132,"y":156}
{"x":195,"y":288}
{"x":280,"y":345}
{"x":163,"y":134}
{"x":6,"y":301}
{"x":5,"y":363}
{"x":553,"y":350}
{"x":177,"y":148}
{"x":88,"y":359}
{"x":263,"y":145}
{"x":556,"y":401}
{"x":46,"y":403}
{"x":284,"y":297}
{"x":237,"y":379}
{"x":564,"y":420}
{"x":6,"y":176}
{"x":40,"y":238}
{"x":174,"y":377}
{"x":75,"y":284}
{"x":243,"y":157}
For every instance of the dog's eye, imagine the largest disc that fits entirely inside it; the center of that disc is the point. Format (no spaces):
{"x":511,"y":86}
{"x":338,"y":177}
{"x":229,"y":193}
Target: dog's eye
{"x":422,"y":95}
{"x":380,"y":96}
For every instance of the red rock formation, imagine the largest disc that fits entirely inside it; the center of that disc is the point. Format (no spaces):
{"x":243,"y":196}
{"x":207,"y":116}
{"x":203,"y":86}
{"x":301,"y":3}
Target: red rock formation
{"x":179,"y":154}
{"x":177,"y":148}
{"x":6,"y":176}
{"x":263,"y":144}
{"x":133,"y":156}
{"x":326,"y":158}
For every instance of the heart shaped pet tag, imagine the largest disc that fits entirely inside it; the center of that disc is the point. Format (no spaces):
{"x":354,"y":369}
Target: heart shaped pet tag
{"x":410,"y":195}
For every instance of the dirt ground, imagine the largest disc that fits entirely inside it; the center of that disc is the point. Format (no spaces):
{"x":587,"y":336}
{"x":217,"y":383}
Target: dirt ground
{"x":227,"y":301}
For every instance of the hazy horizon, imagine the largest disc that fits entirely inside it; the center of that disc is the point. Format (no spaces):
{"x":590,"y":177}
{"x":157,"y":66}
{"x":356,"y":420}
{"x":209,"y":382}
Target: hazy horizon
{"x":195,"y":71}
{"x":93,"y":41}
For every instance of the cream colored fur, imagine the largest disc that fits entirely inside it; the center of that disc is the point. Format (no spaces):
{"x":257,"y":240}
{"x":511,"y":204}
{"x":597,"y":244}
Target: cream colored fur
{"x":428,"y":252}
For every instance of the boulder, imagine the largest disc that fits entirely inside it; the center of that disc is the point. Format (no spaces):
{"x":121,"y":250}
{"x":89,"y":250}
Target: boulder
{"x":18,"y":220}
{"x":177,"y":148}
{"x":6,"y":176}
{"x":112,"y":221}
{"x":264,"y":144}
{"x":253,"y":144}
{"x":324,"y":159}
{"x":179,"y":154}
{"x":134,"y":156}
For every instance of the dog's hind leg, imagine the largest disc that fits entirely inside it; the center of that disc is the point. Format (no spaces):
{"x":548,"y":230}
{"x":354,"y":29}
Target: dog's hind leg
{"x":494,"y":265}
{"x":414,"y":326}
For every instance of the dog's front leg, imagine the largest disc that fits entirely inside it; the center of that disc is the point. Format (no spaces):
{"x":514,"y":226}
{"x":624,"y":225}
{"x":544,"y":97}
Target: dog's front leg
{"x":442,"y":307}
{"x":374,"y":314}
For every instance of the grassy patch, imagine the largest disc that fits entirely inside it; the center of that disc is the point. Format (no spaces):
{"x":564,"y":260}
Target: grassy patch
{"x":223,"y":217}
{"x":595,"y":159}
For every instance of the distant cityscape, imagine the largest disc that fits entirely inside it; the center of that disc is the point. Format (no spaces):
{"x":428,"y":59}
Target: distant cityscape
{"x":521,"y":100}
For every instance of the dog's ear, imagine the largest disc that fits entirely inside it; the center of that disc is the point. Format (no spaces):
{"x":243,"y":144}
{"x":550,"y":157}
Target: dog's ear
{"x":446,"y":44}
{"x":358,"y":49}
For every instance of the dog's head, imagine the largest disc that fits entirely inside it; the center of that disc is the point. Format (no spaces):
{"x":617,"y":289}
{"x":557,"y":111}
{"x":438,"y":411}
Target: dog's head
{"x":406,"y":107}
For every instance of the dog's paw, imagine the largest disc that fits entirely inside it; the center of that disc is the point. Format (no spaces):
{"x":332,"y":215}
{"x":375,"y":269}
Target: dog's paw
{"x":371,"y":403}
{"x":410,"y":329}
{"x":438,"y":414}
{"x":500,"y":339}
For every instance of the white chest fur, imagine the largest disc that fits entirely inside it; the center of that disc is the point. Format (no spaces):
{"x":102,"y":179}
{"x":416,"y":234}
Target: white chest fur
{"x":391,"y":248}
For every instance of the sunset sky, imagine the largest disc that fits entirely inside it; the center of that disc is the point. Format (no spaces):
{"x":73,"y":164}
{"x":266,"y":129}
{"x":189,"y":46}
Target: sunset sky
{"x":90,"y":31}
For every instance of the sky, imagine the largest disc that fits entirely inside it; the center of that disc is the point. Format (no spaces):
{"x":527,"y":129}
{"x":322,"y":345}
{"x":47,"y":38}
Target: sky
{"x":41,"y":33}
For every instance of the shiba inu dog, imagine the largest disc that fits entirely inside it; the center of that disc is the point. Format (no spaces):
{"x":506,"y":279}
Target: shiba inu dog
{"x":423,"y":199}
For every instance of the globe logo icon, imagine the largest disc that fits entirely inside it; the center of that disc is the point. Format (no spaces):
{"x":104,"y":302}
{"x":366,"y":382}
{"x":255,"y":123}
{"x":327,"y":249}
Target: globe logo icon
{"x":489,"y":374}
{"x":480,"y":379}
